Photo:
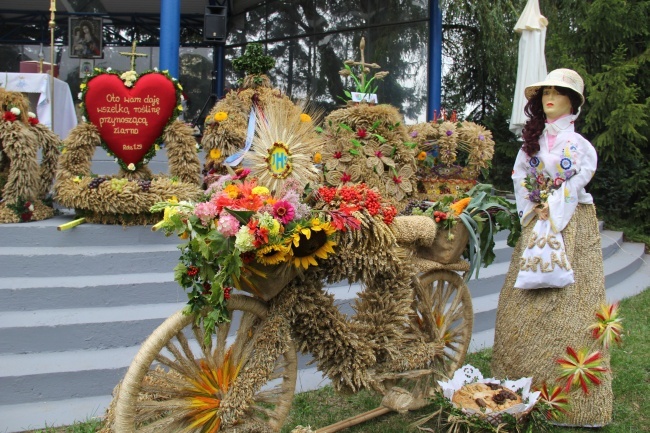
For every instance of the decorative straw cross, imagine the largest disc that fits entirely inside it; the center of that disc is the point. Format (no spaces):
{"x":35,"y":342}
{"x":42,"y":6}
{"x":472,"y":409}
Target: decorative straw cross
{"x":365,"y":67}
{"x":133,"y":55}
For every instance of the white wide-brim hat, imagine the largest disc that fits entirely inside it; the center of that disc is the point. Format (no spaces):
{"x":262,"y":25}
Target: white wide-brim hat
{"x":567,"y":78}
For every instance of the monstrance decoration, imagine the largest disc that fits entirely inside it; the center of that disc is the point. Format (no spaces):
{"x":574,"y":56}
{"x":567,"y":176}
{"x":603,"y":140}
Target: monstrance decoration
{"x":284,"y":146}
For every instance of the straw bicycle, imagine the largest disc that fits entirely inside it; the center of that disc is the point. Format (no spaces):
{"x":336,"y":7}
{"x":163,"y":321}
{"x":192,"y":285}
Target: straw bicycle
{"x":412,"y":325}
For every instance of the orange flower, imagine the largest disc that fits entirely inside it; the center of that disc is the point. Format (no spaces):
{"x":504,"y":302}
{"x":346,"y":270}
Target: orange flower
{"x":318,"y":158}
{"x":422,"y":156}
{"x":305,"y":117}
{"x":459,"y":206}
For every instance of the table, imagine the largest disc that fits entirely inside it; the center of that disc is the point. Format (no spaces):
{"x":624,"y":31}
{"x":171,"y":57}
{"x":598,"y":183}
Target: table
{"x":65,"y":116}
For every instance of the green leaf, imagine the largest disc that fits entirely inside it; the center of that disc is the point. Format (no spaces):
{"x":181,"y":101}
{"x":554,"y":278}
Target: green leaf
{"x":380,"y":138}
{"x":354,"y":152}
{"x":346,"y":127}
{"x":243,"y":216}
{"x":355,"y":142}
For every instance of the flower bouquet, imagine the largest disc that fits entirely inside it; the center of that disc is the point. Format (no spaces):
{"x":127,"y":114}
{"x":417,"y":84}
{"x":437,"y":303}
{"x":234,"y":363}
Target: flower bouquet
{"x":245,"y":237}
{"x":481,"y":214}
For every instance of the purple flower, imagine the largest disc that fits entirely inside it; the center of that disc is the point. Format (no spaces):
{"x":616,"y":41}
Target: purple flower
{"x":481,"y":137}
{"x":534,"y":196}
{"x":449,"y":133}
{"x":414,"y":134}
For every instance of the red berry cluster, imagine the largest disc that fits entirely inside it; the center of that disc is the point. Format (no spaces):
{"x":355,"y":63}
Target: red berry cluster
{"x":192,"y":271}
{"x":439,"y":216}
{"x":226,"y":292}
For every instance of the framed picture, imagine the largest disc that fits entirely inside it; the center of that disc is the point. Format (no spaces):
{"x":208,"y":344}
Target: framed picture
{"x":86,"y":38}
{"x":86,"y":67}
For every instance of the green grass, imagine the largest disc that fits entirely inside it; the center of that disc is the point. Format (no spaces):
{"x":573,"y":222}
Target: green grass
{"x":631,"y":387}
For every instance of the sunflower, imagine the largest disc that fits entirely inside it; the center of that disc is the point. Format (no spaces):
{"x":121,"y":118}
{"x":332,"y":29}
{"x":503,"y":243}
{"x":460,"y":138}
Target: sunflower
{"x":311,"y":242}
{"x":273,"y":254}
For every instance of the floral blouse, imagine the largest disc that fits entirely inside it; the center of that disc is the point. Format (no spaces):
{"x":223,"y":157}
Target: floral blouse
{"x":567,"y":167}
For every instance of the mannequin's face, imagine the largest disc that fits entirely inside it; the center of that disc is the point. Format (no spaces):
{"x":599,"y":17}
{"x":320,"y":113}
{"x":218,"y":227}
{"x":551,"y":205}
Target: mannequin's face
{"x":555,"y":105}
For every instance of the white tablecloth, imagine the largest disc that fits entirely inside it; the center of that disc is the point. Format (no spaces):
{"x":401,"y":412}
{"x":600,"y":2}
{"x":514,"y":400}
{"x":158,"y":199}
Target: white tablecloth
{"x":65,"y":117}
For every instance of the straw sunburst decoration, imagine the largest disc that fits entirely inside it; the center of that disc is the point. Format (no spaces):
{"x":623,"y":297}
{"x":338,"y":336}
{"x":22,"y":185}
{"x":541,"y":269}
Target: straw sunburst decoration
{"x":284,"y":146}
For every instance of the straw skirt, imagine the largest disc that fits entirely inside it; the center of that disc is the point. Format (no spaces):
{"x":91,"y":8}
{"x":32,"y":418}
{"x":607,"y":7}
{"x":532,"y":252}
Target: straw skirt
{"x":534,"y":327}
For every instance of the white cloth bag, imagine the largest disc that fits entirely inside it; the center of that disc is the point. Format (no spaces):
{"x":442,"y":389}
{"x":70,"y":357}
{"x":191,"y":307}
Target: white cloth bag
{"x":544,"y":262}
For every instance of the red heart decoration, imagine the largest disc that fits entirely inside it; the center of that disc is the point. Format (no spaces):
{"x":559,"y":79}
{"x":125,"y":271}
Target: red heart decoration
{"x":130,"y":119}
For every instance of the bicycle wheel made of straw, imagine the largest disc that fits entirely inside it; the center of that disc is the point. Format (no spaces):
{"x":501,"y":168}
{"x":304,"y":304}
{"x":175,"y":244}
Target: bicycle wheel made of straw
{"x":443,"y":312}
{"x":177,"y":382}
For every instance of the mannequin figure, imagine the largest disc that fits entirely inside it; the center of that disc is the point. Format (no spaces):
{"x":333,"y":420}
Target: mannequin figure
{"x":535,"y":327}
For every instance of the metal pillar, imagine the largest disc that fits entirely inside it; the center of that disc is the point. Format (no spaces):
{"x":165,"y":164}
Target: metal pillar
{"x":170,"y":33}
{"x":219,"y":57}
{"x":435,"y":59}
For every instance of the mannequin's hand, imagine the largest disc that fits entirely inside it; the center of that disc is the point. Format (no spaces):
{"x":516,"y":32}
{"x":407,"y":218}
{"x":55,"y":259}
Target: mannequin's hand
{"x":542,"y":211}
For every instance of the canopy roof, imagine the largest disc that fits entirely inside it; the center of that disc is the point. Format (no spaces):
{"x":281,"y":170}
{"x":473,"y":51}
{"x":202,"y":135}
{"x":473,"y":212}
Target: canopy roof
{"x":27,"y":22}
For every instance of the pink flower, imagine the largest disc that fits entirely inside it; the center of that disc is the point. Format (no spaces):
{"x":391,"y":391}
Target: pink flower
{"x":283,"y":211}
{"x":345,"y":178}
{"x":206,"y":212}
{"x":228,"y":224}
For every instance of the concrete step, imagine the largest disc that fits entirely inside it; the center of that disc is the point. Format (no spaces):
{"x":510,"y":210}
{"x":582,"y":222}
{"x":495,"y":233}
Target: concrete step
{"x":88,"y":291}
{"x":45,"y":234}
{"x":92,"y":260}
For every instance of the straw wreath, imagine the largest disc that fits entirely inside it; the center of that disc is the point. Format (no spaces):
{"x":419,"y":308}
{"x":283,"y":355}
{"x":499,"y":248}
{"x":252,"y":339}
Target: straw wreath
{"x":127,"y":197}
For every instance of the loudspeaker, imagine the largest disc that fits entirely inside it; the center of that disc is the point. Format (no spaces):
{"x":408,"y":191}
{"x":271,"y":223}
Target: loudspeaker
{"x":215,"y":23}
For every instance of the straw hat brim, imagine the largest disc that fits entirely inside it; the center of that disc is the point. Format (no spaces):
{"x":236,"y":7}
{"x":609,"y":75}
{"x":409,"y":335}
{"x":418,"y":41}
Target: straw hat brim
{"x":533,"y":88}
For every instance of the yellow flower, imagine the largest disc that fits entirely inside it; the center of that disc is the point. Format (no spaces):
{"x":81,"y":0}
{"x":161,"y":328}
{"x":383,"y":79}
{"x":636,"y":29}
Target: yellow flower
{"x":422,"y":156}
{"x":305,"y":117}
{"x":64,"y":151}
{"x":311,"y":242}
{"x":77,"y":179}
{"x":169,"y":212}
{"x":180,"y":108}
{"x":260,"y":190}
{"x":273,"y":254}
{"x":215,"y":154}
{"x":232,"y":191}
{"x":157,"y":147}
{"x":131,"y":167}
{"x":82,"y":86}
{"x":220,"y":116}
{"x":318,"y":158}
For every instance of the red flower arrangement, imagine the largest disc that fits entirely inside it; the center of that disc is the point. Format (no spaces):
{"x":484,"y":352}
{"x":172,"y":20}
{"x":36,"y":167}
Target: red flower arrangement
{"x":357,"y":197}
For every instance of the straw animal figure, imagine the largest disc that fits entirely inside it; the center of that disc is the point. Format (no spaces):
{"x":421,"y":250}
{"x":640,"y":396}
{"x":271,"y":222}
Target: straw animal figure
{"x":127,"y":197}
{"x":24,"y":183}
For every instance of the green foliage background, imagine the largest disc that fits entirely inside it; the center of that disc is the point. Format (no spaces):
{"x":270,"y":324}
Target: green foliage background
{"x":606,"y":41}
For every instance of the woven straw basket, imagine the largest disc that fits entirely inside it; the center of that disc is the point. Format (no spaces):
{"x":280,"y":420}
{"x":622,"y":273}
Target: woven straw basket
{"x":496,"y":418}
{"x":276,"y":278}
{"x":443,"y":250}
